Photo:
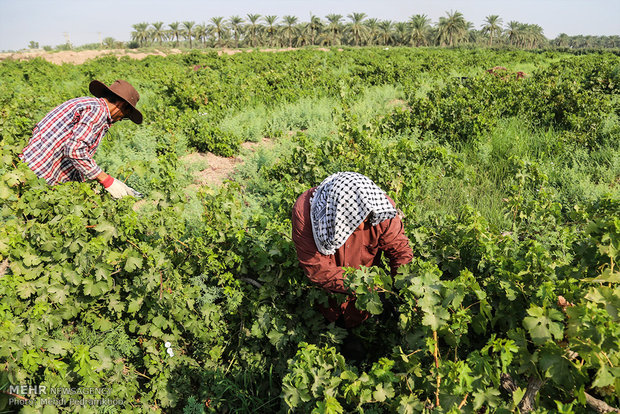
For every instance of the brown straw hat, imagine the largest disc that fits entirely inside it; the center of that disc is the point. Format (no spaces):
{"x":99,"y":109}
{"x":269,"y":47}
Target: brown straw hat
{"x":123,"y":90}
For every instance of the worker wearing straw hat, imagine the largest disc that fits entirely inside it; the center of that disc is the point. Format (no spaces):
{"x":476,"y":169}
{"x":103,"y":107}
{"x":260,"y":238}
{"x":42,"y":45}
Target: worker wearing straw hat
{"x":65,"y":140}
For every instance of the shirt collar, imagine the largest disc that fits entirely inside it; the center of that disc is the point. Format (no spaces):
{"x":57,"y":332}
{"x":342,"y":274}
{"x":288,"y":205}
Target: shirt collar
{"x":107,"y":110}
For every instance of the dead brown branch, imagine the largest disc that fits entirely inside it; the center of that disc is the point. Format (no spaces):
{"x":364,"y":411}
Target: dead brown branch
{"x":252,"y":282}
{"x":3,"y":266}
{"x":534,"y":385}
{"x":600,"y":406}
{"x":528,"y":401}
{"x":436,"y":355}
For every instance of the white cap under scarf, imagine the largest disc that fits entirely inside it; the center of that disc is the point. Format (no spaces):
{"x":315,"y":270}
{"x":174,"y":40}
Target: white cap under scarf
{"x":340,"y":204}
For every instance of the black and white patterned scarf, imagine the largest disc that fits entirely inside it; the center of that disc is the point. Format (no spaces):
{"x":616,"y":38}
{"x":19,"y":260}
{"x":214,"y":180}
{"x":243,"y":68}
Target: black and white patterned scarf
{"x":340,"y":204}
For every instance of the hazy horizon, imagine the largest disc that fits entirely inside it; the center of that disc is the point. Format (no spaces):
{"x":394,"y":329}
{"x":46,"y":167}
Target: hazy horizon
{"x":83,"y":22}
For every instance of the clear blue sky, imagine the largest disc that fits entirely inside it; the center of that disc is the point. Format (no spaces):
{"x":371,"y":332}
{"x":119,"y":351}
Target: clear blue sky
{"x":49,"y":22}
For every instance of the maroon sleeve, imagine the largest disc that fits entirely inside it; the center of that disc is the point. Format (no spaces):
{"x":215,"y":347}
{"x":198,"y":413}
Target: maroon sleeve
{"x":319,"y":268}
{"x":394,"y":242}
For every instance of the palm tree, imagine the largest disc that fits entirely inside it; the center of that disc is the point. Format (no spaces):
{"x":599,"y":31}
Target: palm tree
{"x":533,"y":35}
{"x":227,"y":39}
{"x":334,"y":28}
{"x":562,"y":40}
{"x":453,"y":27}
{"x":175,"y":32}
{"x":253,"y":28}
{"x":201,"y":33}
{"x":235,"y":25}
{"x":157,"y":33}
{"x":578,"y":41}
{"x":357,"y":28}
{"x":217,"y":24}
{"x":289,"y":28}
{"x":314,"y":27}
{"x":188,"y":31}
{"x":513,"y":30}
{"x":386,"y":32}
{"x":304,"y":37}
{"x":400,"y":33}
{"x":492,"y":26}
{"x":420,"y":27}
{"x":471,"y":34}
{"x":140,"y":33}
{"x":271,"y":28}
{"x":373,"y":30}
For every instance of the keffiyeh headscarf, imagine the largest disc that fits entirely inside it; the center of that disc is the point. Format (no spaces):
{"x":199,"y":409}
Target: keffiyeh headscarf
{"x":340,"y":204}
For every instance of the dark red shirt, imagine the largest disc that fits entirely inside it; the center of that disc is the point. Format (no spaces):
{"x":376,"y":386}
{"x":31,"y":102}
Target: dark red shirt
{"x":362,"y":248}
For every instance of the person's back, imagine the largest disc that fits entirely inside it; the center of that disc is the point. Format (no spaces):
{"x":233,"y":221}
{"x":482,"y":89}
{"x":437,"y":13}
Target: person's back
{"x":68,"y":134}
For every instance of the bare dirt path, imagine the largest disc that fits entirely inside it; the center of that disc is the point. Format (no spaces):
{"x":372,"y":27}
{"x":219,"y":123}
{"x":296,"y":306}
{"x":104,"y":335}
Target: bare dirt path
{"x":215,"y":169}
{"x":81,"y":56}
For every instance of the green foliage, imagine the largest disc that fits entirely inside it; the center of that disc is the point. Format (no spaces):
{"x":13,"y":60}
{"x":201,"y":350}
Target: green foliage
{"x":509,"y":189}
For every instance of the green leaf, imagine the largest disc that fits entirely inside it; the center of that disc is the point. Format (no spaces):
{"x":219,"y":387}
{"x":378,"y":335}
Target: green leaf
{"x":607,"y":276}
{"x":542,"y":324}
{"x":26,"y":289}
{"x":604,"y":377}
{"x":518,"y":395}
{"x":107,"y":230}
{"x":104,"y":356}
{"x":134,"y":305}
{"x":30,"y":259}
{"x":94,"y":289}
{"x":348,"y":375}
{"x":436,"y":318}
{"x":58,"y":293}
{"x":155,"y":332}
{"x":374,"y":305}
{"x":12,"y":178}
{"x":5,"y":191}
{"x":328,"y":406}
{"x":58,"y":347}
{"x":490,"y":397}
{"x":409,"y":404}
{"x":115,"y":304}
{"x":160,"y":322}
{"x":556,"y":366}
{"x":134,"y":261}
{"x":383,"y":392}
{"x":102,"y":324}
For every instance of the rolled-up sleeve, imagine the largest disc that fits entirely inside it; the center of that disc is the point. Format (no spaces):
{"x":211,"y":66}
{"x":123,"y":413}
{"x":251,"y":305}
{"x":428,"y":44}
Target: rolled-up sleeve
{"x":78,"y":151}
{"x":319,"y":268}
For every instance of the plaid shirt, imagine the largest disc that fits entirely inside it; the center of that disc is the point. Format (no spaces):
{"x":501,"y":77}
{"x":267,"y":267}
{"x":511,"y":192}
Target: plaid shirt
{"x":64,"y":141}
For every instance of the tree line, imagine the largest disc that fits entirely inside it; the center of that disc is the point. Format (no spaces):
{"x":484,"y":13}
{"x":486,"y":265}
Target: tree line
{"x":356,"y":29}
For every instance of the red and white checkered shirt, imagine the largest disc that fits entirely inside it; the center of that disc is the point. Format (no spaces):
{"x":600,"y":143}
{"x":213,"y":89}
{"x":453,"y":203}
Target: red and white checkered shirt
{"x":64,"y":141}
